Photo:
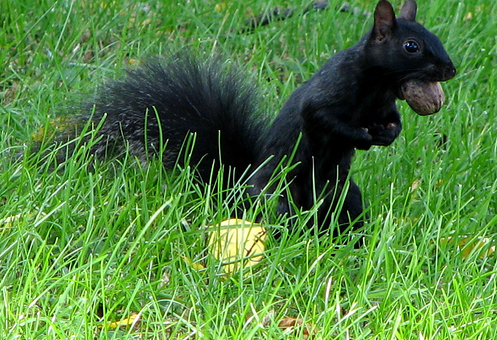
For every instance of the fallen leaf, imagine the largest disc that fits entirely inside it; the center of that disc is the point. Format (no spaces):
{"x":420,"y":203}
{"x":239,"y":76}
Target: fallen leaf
{"x":8,"y":221}
{"x":130,"y":321}
{"x":194,"y":265}
{"x":266,"y":320}
{"x":415,"y":184}
{"x":467,"y":245}
{"x":290,"y":324}
{"x":221,"y":6}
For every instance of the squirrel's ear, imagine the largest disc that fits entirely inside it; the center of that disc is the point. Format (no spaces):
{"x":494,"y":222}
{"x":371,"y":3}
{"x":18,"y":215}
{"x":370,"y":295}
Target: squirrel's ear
{"x":384,"y":20}
{"x":408,"y":11}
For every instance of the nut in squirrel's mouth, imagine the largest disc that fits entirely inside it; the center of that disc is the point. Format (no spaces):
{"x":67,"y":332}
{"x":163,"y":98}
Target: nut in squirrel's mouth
{"x":424,"y":97}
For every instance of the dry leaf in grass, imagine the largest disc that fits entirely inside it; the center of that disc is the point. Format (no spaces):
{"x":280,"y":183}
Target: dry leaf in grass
{"x":130,"y":321}
{"x":8,"y":221}
{"x":58,"y":124}
{"x":194,"y":265}
{"x":291,"y":324}
{"x":237,"y":243}
{"x":467,"y":245}
{"x":166,"y":278}
{"x":415,"y":184}
{"x":220,"y":6}
{"x":264,"y":321}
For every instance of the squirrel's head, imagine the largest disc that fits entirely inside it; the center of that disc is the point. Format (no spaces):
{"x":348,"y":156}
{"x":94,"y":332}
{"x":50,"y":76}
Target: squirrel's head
{"x":404,"y":48}
{"x":408,"y":57}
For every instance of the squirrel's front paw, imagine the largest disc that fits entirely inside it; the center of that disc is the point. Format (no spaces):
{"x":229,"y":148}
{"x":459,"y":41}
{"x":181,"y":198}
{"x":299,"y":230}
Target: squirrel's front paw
{"x":384,"y":134}
{"x":364,"y":139}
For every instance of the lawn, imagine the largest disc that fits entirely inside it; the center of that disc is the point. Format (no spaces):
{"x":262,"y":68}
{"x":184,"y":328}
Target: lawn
{"x":117,"y":249}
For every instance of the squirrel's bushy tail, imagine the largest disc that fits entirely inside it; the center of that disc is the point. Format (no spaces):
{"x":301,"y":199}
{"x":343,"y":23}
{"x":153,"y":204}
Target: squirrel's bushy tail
{"x":157,"y":105}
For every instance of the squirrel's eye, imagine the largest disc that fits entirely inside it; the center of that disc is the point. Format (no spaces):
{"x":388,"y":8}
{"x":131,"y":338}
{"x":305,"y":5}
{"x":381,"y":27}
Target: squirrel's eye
{"x":411,"y":46}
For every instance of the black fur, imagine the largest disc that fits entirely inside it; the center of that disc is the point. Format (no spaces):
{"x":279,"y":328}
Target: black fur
{"x":185,"y":95}
{"x":349,"y":103}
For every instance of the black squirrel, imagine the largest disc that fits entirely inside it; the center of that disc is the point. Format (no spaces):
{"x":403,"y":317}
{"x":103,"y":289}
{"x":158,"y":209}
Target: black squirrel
{"x":349,"y":103}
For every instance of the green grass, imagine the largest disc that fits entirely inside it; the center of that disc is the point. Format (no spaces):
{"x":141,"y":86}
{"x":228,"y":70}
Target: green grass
{"x":82,"y":246}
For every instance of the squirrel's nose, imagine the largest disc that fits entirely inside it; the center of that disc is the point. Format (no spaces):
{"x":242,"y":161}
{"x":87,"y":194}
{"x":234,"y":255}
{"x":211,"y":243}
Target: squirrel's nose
{"x":449,"y":71}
